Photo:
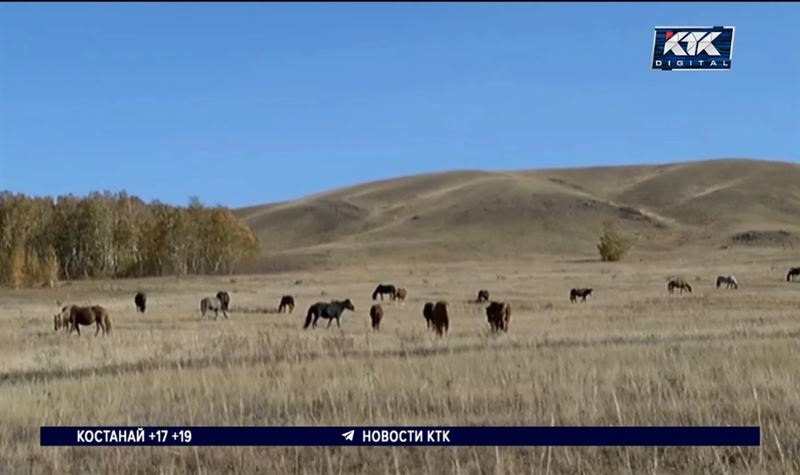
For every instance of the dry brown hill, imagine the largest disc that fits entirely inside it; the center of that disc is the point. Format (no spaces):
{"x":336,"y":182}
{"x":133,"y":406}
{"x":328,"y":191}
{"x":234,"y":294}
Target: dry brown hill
{"x":478,"y":214}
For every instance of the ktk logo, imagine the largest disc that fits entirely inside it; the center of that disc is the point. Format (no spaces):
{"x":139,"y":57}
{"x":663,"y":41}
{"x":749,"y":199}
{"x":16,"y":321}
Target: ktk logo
{"x":696,"y":43}
{"x":695,"y":48}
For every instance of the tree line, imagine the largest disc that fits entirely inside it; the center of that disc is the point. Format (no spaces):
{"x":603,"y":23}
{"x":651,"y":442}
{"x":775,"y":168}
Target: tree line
{"x":44,"y":239}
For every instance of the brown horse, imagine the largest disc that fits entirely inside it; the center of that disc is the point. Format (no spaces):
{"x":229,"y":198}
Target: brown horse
{"x":441,"y":318}
{"x":140,"y":300}
{"x":679,"y":284}
{"x":793,"y":272}
{"x":499,"y":316}
{"x":427,"y":312}
{"x":287,"y":302}
{"x":384,"y":289}
{"x":225,"y":299}
{"x":77,"y":316}
{"x":376,"y":314}
{"x":483,"y":296}
{"x":400,"y":294}
{"x":582,"y":293}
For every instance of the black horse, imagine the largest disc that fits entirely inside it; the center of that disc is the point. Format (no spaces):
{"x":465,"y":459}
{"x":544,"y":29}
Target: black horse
{"x":582,"y":293}
{"x":385,"y":289}
{"x":330,"y":311}
{"x":287,"y":302}
{"x":141,"y":301}
{"x":225,"y":299}
{"x":793,"y":272}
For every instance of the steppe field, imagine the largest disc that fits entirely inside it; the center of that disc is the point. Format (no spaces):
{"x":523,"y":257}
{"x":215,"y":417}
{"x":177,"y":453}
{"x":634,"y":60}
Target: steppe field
{"x":631,"y":355}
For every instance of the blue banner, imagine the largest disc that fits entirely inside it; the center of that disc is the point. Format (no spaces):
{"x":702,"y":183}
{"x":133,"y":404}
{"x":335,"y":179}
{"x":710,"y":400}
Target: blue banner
{"x":409,"y":436}
{"x":693,"y":48}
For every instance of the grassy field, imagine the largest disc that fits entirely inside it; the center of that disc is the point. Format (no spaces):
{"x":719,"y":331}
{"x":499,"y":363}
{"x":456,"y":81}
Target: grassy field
{"x":632,"y":355}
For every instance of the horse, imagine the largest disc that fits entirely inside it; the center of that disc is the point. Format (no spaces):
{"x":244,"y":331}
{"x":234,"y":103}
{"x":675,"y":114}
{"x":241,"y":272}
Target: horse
{"x":376,"y":314}
{"x":427,"y":312}
{"x":140,"y":301}
{"x":287,"y":302}
{"x":330,"y":311}
{"x":61,"y":319}
{"x":728,"y":280}
{"x":76,"y":316}
{"x":582,"y":293}
{"x":225,"y":298}
{"x":214,"y":304}
{"x":384,"y":289}
{"x":441,"y":318}
{"x":400,"y":294}
{"x":679,"y":284}
{"x":483,"y":296}
{"x":793,"y":272}
{"x":499,"y":316}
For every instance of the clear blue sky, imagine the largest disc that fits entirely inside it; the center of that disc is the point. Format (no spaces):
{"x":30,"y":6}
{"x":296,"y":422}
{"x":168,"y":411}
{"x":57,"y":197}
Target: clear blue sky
{"x":253,"y":103}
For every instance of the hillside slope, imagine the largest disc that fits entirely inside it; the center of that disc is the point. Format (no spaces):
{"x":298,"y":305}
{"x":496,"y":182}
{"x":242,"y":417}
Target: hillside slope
{"x":482,"y":215}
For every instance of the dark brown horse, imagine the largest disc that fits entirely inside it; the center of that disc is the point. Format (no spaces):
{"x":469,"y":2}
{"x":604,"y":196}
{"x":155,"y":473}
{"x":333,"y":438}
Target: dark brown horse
{"x":140,"y":301}
{"x":77,"y":316}
{"x":427,"y":312}
{"x":384,"y":289}
{"x":225,"y":299}
{"x":483,"y":296}
{"x":376,"y":315}
{"x":287,"y":302}
{"x":582,"y":293}
{"x":499,"y":316}
{"x":441,"y":318}
{"x":679,"y":284}
{"x":793,"y":272}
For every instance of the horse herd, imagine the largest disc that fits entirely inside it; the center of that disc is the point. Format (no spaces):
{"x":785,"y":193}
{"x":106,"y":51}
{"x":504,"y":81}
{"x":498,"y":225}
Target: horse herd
{"x":436,"y":314}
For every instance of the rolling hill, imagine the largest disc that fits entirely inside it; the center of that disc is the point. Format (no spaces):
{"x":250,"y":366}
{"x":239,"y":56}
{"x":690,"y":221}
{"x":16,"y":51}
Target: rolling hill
{"x":486,"y":215}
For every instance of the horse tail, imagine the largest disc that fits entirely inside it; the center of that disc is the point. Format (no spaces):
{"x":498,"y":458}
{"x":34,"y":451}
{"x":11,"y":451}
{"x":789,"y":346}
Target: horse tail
{"x":309,"y":316}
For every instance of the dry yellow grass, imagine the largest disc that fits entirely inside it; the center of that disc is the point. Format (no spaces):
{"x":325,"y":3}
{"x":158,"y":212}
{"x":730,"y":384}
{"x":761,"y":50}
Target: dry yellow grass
{"x":632,"y":355}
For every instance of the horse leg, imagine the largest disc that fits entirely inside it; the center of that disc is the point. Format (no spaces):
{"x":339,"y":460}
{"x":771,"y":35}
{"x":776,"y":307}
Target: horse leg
{"x":337,"y":322}
{"x":97,"y":331}
{"x":330,"y":320}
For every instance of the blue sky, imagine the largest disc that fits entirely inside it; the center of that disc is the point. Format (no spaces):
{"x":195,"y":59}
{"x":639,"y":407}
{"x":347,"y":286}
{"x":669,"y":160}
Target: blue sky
{"x":253,"y":103}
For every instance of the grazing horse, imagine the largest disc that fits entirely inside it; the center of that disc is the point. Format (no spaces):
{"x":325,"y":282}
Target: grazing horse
{"x":793,"y":272}
{"x":441,"y":318}
{"x":679,"y":284}
{"x":212,"y":304}
{"x":140,"y":301}
{"x":61,"y":319}
{"x":499,"y":316}
{"x":427,"y":312}
{"x":400,"y":294}
{"x":225,"y":298}
{"x":582,"y":293}
{"x":287,"y":302}
{"x":483,"y":296}
{"x":329,"y":311}
{"x":376,"y":314}
{"x":729,"y":281}
{"x":384,"y":289}
{"x":77,"y":316}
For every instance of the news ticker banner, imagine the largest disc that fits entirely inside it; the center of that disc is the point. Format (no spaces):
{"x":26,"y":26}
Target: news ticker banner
{"x":403,"y":436}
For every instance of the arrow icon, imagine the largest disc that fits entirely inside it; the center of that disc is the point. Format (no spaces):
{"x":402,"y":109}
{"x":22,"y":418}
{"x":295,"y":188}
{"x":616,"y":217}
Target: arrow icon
{"x":348,"y":436}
